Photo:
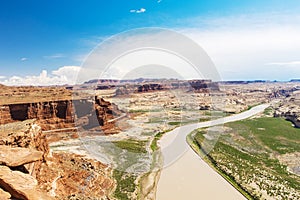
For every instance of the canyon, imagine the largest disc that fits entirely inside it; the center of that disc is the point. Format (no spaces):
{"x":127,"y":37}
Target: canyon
{"x":55,"y":108}
{"x":57,"y":131}
{"x":31,"y":118}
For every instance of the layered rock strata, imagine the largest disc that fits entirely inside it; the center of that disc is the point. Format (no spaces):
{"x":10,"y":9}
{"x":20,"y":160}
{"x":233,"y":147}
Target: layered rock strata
{"x":50,"y":115}
{"x":29,"y":171}
{"x":61,"y":114}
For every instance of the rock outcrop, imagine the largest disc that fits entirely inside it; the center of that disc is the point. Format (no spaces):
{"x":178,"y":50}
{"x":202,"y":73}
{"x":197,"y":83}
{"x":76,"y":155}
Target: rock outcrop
{"x":25,"y":134}
{"x":50,"y":115}
{"x":70,"y":176}
{"x":4,"y":195}
{"x":23,"y":150}
{"x":29,"y":171}
{"x":20,"y":185}
{"x":16,"y":156}
{"x":53,"y":108}
{"x":196,"y":86}
{"x":290,"y":109}
{"x":56,"y":115}
{"x":99,"y":114}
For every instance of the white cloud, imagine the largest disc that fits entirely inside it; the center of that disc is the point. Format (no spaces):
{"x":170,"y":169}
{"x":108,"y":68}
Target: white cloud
{"x":251,"y":47}
{"x":68,"y":73}
{"x":140,"y":51}
{"x":24,"y":59}
{"x":291,"y":63}
{"x":55,"y":56}
{"x":2,"y":77}
{"x":158,"y":1}
{"x":256,"y":46}
{"x":141,"y":10}
{"x":61,"y":76}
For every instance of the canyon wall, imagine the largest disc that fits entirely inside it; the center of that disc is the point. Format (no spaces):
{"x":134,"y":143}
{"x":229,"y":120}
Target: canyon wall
{"x":50,"y":115}
{"x":61,"y":114}
{"x":197,"y":86}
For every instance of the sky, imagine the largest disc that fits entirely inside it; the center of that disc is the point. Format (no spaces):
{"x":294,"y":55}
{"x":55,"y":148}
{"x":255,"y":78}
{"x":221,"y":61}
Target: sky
{"x":46,"y":42}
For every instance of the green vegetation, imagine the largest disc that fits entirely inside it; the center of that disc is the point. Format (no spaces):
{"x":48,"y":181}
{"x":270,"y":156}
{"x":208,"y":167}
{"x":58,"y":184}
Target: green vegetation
{"x":246,"y":155}
{"x":204,"y":119}
{"x":143,"y":111}
{"x":275,"y":135}
{"x":156,"y":120}
{"x":178,"y":123}
{"x":174,"y":123}
{"x":134,"y":146}
{"x":125,"y":184}
{"x":138,"y":111}
{"x":126,"y":153}
{"x":268,"y":111}
{"x":157,"y":137}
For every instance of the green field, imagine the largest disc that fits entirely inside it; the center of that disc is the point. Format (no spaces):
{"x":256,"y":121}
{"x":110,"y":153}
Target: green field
{"x":248,"y":154}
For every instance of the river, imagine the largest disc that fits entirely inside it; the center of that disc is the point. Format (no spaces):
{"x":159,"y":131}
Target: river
{"x":185,"y":175}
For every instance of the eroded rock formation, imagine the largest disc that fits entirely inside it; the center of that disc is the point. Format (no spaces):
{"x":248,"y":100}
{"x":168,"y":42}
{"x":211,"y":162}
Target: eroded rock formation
{"x":61,"y":114}
{"x":290,"y":109}
{"x":34,"y":173}
{"x":25,"y":156}
{"x":197,"y":86}
{"x":97,"y":113}
{"x":20,"y":185}
{"x":50,"y":115}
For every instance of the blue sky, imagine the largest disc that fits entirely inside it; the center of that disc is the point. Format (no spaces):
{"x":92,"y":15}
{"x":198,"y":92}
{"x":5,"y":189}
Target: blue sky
{"x":47,"y":35}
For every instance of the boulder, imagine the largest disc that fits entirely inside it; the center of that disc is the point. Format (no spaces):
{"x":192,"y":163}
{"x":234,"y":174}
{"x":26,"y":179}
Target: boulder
{"x":17,"y":156}
{"x":26,"y":134}
{"x":4,"y":195}
{"x":20,"y":185}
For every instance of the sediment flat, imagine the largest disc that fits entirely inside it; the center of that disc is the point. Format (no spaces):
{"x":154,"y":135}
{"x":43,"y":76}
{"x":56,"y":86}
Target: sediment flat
{"x":186,"y":175}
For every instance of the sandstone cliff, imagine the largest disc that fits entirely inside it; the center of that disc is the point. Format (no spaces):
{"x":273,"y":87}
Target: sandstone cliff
{"x":35,"y":173}
{"x":50,"y":115}
{"x":22,"y":103}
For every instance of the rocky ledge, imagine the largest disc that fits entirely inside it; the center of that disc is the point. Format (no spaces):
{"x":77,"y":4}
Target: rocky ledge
{"x":290,"y":109}
{"x":28,"y":169}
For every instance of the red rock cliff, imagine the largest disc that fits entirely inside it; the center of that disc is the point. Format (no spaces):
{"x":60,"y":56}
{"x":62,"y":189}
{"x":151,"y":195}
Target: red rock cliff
{"x":50,"y":115}
{"x":36,"y":174}
{"x":61,"y":114}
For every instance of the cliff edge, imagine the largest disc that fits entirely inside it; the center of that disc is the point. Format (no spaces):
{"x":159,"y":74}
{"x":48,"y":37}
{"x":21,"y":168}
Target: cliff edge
{"x":28,"y":169}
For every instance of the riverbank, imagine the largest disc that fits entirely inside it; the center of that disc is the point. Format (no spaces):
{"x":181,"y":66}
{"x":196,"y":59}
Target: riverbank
{"x":258,"y":156}
{"x":185,"y":175}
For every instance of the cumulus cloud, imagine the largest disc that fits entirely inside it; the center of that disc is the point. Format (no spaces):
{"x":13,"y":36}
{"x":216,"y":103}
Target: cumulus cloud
{"x":68,"y":73}
{"x":24,"y":59}
{"x":2,"y":77}
{"x":141,"y":10}
{"x":63,"y":75}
